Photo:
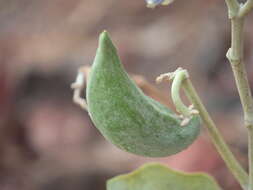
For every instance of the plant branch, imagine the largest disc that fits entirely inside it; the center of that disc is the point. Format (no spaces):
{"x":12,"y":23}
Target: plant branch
{"x":181,"y":79}
{"x":246,"y":8}
{"x":215,"y":135}
{"x":235,"y":56}
{"x":233,"y":7}
{"x":250,"y":152}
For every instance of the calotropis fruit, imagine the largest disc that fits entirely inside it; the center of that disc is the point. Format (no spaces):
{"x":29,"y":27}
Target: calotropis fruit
{"x":126,"y":116}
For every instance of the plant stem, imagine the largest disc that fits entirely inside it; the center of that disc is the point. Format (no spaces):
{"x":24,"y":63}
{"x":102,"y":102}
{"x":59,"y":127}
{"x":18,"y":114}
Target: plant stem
{"x":233,"y":7}
{"x":246,"y":8}
{"x":250,"y":152}
{"x":235,"y":56}
{"x":215,"y":135}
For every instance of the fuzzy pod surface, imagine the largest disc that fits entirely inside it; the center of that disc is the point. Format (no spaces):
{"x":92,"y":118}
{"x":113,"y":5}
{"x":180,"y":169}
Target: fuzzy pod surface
{"x":126,"y":116}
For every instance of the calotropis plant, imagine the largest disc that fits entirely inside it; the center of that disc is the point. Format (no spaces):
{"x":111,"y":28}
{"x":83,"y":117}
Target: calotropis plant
{"x":138,"y":124}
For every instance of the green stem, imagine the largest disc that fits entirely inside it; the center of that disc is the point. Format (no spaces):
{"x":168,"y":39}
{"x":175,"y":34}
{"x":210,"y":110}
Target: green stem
{"x":233,"y":7}
{"x":246,"y":8}
{"x":235,"y":56}
{"x":250,"y":152}
{"x":215,"y":135}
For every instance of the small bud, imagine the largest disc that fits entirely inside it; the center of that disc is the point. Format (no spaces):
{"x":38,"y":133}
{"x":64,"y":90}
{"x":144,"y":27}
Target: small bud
{"x":154,"y":3}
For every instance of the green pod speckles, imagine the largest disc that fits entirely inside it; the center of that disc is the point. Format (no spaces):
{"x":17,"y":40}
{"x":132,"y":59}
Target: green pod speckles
{"x":125,"y":116}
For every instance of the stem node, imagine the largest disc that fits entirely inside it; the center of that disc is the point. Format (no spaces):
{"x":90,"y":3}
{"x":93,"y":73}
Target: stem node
{"x":233,"y":59}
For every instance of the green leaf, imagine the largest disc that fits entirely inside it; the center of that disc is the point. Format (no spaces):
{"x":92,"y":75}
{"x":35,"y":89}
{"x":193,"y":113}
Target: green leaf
{"x":155,"y":176}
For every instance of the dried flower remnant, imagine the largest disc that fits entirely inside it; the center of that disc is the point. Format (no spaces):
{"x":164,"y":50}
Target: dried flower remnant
{"x":154,"y":3}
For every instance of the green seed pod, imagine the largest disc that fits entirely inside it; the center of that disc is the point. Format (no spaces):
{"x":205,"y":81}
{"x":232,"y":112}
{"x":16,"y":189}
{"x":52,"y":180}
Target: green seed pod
{"x":126,"y":116}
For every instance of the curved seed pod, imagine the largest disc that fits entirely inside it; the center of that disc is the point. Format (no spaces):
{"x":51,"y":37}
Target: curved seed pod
{"x":126,"y":117}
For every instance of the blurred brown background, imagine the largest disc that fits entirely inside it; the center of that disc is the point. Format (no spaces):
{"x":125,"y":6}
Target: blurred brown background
{"x":47,"y":142}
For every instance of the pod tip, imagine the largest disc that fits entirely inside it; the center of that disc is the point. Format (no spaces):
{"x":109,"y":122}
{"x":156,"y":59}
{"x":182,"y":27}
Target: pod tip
{"x":104,"y":36}
{"x":105,"y":40}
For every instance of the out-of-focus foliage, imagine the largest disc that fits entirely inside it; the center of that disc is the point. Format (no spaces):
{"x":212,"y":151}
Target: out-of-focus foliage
{"x":157,"y":176}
